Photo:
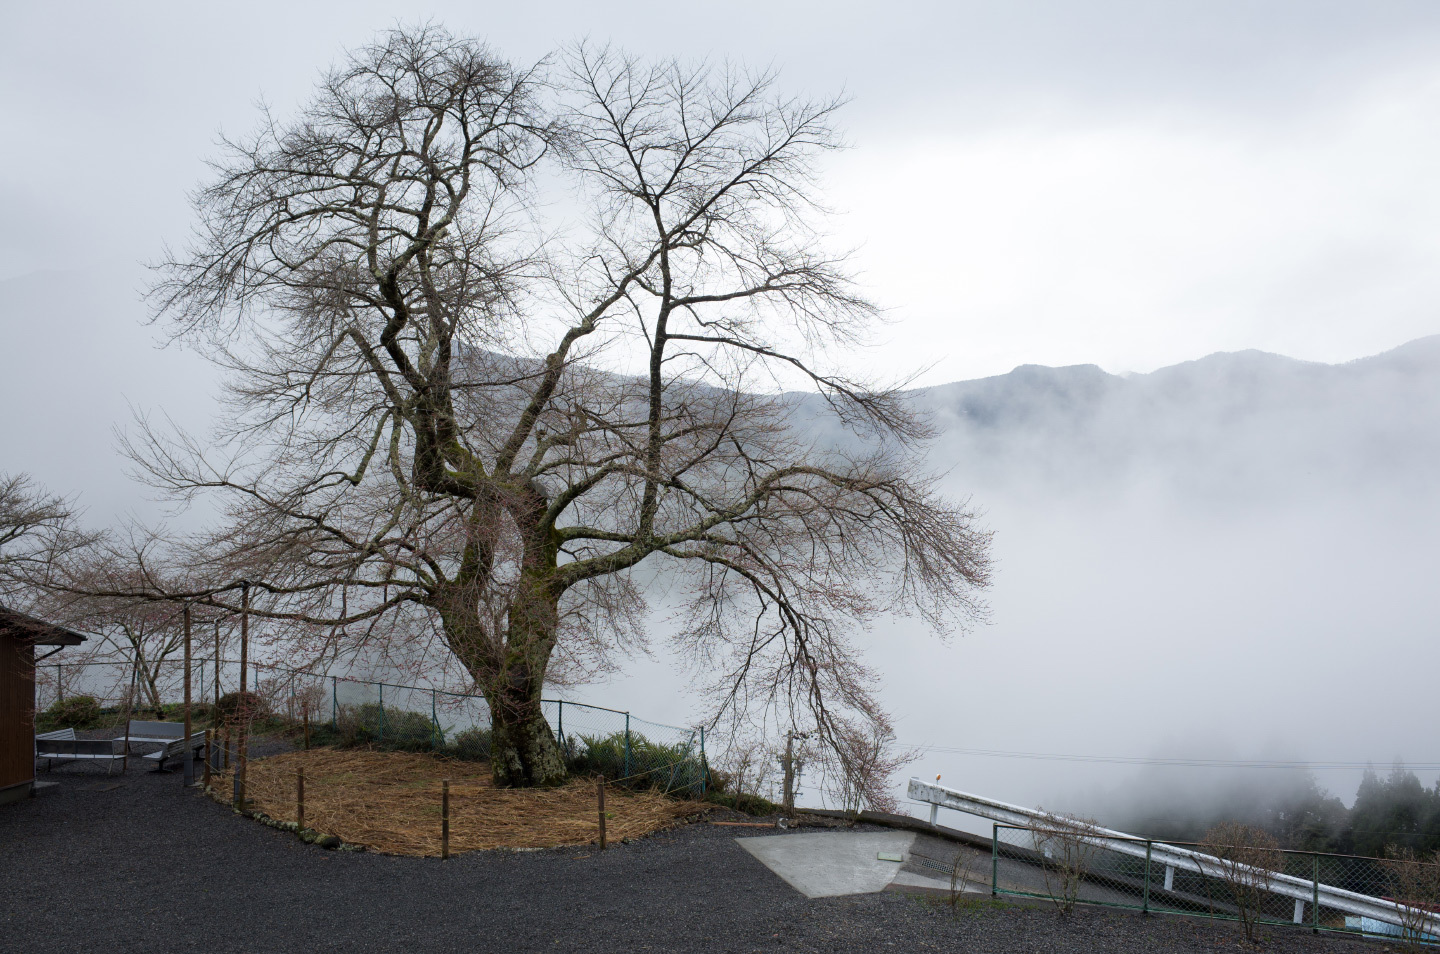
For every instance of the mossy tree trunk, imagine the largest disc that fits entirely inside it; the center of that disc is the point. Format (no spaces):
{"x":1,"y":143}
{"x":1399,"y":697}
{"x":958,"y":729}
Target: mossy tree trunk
{"x":510,"y":666}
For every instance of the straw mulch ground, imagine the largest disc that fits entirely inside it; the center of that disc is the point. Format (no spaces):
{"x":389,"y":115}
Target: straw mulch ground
{"x":390,"y":802}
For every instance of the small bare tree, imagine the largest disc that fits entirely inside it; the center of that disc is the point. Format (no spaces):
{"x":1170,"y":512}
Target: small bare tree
{"x":113,"y":589}
{"x":36,"y":529}
{"x":1067,"y":843}
{"x":1248,"y":859}
{"x":748,"y":764}
{"x":857,"y":772}
{"x":961,"y":875}
{"x":1416,"y":879}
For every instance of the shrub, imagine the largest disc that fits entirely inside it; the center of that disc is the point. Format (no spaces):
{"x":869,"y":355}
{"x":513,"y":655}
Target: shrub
{"x":747,"y":803}
{"x":473,"y":745}
{"x":176,"y":711}
{"x":1415,"y":883}
{"x":230,"y":706}
{"x":404,"y":728}
{"x":1068,"y":844}
{"x":386,"y":726}
{"x":76,"y":712}
{"x":1249,"y":859}
{"x":716,"y":780}
{"x":651,"y":764}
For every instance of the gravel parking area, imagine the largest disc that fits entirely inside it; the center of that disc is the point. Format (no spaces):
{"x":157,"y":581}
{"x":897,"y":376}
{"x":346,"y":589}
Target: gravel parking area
{"x":135,"y":863}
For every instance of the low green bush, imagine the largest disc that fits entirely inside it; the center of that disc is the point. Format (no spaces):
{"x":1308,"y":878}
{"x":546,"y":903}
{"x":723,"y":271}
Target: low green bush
{"x":228,"y":709}
{"x":76,"y":712}
{"x":650,"y":764}
{"x":387,"y":727}
{"x":472,"y":745}
{"x":748,"y":804}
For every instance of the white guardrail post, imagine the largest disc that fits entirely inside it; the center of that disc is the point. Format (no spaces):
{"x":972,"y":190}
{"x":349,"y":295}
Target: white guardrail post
{"x":1172,"y":856}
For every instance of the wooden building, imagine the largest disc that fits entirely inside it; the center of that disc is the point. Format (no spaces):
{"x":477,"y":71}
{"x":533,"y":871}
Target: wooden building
{"x":19,"y":635}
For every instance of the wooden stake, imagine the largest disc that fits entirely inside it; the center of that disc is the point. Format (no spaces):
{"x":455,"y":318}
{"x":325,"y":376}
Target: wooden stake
{"x":189,"y":752}
{"x":445,"y":818}
{"x":215,"y":713}
{"x":300,"y":799}
{"x":129,"y":701}
{"x":208,"y":757}
{"x":600,"y":797}
{"x":242,"y":730}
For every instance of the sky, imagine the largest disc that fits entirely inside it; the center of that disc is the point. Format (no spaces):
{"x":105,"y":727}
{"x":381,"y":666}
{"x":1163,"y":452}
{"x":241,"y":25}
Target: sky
{"x":1128,"y":184}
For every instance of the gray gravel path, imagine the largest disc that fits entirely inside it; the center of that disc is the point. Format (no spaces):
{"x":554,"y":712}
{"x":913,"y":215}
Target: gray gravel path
{"x":138,"y":864}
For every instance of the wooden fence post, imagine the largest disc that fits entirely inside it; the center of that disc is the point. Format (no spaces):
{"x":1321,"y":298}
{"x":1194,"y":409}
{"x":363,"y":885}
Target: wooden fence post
{"x":216,"y":713}
{"x":600,"y":797}
{"x":189,"y":752}
{"x":242,"y":729}
{"x":129,"y":702}
{"x":444,"y":818}
{"x":300,"y":799}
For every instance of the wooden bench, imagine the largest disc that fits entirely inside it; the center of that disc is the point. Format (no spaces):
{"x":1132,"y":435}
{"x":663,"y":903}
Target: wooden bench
{"x":170,"y":736}
{"x":62,"y":746}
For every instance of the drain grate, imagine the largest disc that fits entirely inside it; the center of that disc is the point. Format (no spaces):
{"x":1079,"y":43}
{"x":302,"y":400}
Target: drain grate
{"x":930,"y":863}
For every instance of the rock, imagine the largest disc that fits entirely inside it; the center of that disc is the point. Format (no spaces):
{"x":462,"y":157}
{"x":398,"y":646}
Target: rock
{"x":309,"y":835}
{"x":330,"y":842}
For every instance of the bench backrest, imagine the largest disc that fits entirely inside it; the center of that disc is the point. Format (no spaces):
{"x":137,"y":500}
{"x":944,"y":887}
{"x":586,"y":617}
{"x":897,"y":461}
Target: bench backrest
{"x":197,"y":739}
{"x":157,"y":730}
{"x":60,"y":748}
{"x":57,"y":734}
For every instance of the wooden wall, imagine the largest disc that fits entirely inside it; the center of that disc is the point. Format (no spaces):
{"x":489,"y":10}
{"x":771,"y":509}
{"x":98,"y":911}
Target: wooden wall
{"x":17,"y":712}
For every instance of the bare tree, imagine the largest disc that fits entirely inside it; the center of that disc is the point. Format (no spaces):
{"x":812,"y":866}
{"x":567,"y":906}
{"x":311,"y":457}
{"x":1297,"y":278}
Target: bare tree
{"x":746,"y":768}
{"x":1068,"y":843}
{"x":36,"y":528}
{"x":856,"y":773}
{"x":467,"y":410}
{"x":145,"y":635}
{"x":1249,"y":859}
{"x":1416,"y":880}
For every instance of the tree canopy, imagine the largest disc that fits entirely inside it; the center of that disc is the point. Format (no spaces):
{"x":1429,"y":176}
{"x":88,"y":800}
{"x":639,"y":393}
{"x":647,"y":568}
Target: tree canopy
{"x":506,"y":345}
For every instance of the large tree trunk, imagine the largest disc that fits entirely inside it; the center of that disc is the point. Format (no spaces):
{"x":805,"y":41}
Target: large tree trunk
{"x":523,"y":750}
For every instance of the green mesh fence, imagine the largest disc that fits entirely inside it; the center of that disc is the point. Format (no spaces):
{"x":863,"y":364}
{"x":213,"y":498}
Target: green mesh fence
{"x":595,"y":741}
{"x":1267,"y":886}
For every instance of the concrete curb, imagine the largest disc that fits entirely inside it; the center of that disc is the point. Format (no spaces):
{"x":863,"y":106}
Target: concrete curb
{"x":906,"y":822}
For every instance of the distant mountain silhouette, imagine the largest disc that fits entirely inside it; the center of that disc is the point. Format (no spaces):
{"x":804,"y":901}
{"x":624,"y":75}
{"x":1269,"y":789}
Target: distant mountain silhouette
{"x":1237,"y":423}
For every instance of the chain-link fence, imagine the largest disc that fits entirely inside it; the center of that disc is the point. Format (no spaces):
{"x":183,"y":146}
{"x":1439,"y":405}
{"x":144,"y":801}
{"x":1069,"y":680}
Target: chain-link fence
{"x":1068,"y":865}
{"x":594,"y":740}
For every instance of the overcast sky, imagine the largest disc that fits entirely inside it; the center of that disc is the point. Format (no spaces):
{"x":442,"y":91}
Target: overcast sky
{"x":1128,"y":184}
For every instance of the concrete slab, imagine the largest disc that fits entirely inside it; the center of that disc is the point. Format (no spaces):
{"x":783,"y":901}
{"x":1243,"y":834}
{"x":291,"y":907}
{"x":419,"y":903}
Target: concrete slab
{"x":827,"y":864}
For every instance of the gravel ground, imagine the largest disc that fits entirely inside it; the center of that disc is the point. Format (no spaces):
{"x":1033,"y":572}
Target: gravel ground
{"x":135,"y":863}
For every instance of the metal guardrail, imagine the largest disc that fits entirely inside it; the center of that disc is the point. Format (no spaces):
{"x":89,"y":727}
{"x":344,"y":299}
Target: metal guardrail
{"x":1173,"y":857}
